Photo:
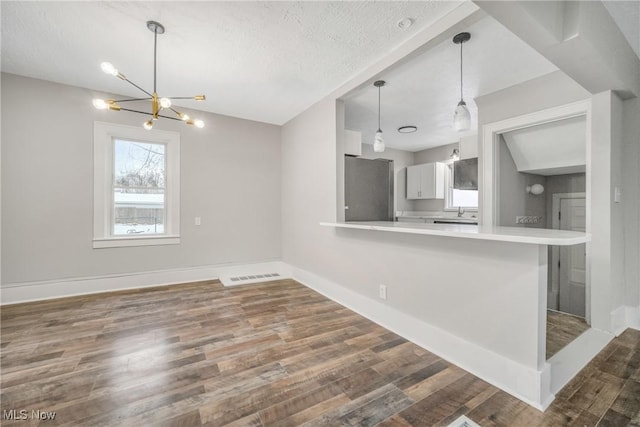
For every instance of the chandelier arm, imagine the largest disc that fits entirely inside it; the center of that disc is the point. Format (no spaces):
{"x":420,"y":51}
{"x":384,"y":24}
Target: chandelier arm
{"x":148,"y":114}
{"x":179,"y":97}
{"x":132,"y":99}
{"x":135,"y":85}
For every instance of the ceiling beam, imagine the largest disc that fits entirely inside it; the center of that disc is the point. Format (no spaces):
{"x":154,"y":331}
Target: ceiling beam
{"x":579,"y":37}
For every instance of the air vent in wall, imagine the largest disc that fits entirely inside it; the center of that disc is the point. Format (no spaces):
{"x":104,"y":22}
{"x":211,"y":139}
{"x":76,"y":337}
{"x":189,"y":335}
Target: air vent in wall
{"x":249,"y":278}
{"x":463,"y":422}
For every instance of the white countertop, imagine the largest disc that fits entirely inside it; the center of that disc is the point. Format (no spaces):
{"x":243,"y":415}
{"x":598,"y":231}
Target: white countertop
{"x":536,"y":236}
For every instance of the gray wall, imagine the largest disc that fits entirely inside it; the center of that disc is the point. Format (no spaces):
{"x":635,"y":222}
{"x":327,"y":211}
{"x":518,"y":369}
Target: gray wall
{"x":230,"y":178}
{"x":631,"y":199}
{"x":430,"y":155}
{"x":512,"y":196}
{"x":401,"y":159}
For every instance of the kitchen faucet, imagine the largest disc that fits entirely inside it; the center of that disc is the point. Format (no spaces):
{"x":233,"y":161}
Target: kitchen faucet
{"x":460,"y":212}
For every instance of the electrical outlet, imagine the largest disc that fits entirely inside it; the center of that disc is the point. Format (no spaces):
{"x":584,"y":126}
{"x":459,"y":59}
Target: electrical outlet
{"x":382,"y":292}
{"x":197,"y":220}
{"x":528,"y":219}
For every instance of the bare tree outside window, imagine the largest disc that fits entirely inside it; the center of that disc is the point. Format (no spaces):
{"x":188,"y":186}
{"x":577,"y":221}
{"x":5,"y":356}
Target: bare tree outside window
{"x":138,"y":187}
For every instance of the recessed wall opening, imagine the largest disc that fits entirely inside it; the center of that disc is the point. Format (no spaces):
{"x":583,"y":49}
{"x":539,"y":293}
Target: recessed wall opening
{"x":541,"y":182}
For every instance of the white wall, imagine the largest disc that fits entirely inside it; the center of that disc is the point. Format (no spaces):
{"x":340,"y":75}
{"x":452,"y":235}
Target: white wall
{"x":230,"y":178}
{"x":401,"y":159}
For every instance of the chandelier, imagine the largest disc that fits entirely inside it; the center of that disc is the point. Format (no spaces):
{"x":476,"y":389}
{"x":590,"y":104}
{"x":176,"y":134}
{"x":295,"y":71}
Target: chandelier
{"x":158,"y":104}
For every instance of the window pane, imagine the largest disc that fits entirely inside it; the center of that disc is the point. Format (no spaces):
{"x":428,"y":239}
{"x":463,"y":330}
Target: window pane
{"x":465,"y":198}
{"x":138,"y":188}
{"x":138,"y":164}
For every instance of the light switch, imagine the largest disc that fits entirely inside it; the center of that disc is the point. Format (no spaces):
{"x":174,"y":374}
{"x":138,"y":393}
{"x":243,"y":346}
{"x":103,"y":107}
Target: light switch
{"x":197,"y":220}
{"x":617,"y":195}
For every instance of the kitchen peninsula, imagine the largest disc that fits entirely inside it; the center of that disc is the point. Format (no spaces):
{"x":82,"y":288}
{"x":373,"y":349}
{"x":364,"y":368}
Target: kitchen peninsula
{"x":488,"y":285}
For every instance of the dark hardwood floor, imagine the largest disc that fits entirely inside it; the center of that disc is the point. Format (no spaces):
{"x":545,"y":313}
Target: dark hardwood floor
{"x":274,"y":354}
{"x":562,"y":328}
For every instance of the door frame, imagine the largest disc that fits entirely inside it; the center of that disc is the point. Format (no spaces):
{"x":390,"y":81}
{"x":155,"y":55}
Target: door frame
{"x":554,"y":289}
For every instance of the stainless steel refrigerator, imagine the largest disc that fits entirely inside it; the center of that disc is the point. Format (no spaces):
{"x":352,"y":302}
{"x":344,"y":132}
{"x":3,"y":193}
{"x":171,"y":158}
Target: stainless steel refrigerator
{"x":368,"y":191}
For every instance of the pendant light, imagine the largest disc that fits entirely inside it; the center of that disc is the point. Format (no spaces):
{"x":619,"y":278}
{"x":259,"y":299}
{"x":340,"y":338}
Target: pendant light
{"x":378,"y":141}
{"x":158,"y":103}
{"x":461,"y":117}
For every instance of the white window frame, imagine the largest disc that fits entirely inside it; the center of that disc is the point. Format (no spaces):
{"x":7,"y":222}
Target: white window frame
{"x":104,"y":135}
{"x":448,"y":191}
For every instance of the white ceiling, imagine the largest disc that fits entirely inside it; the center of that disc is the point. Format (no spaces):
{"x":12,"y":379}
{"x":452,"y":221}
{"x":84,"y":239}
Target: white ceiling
{"x":265,"y":61}
{"x":626,"y":15}
{"x":424,"y":91}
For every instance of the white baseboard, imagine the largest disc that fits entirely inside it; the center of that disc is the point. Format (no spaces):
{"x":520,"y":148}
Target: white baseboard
{"x":619,"y":320}
{"x":625,"y":317}
{"x":572,"y":358}
{"x":632,"y":315}
{"x":528,"y":385}
{"x":13,"y":293}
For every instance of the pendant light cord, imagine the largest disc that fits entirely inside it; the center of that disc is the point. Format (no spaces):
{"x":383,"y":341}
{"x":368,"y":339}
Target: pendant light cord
{"x":155,"y":52}
{"x":461,"y":98}
{"x":378,"y":108}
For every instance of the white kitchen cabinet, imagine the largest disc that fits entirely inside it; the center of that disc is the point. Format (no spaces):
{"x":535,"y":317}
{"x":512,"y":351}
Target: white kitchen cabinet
{"x":425,"y":181}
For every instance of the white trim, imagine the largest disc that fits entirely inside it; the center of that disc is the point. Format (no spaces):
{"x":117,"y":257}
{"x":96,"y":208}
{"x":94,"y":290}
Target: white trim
{"x":529,"y":385}
{"x":13,"y":293}
{"x":490,"y":134}
{"x":119,"y":242}
{"x":574,"y":356}
{"x":633,"y":317}
{"x":103,"y":136}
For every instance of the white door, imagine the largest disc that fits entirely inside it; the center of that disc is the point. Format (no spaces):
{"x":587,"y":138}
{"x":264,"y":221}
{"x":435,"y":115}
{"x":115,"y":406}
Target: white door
{"x":572,"y":267}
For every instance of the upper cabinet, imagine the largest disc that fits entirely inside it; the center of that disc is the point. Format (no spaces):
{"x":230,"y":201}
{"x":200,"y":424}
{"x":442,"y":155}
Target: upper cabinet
{"x":425,"y":181}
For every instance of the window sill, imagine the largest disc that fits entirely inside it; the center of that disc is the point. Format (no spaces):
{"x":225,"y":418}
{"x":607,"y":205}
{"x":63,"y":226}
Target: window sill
{"x":456,"y":209}
{"x":120,"y":242}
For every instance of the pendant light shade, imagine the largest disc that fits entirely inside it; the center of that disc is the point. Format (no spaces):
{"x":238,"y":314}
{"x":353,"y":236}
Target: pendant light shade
{"x":461,"y":117}
{"x":378,"y":141}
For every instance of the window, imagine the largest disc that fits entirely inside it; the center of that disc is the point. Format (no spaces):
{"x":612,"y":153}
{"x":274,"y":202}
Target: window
{"x":136,"y":186}
{"x":453,"y":198}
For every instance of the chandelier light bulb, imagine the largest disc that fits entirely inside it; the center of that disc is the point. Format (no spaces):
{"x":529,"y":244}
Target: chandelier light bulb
{"x":165,"y":102}
{"x":108,"y":68}
{"x":183,"y":116}
{"x":148,"y":125}
{"x":378,"y":142}
{"x":199,"y":123}
{"x":100,"y":104}
{"x":461,"y":117}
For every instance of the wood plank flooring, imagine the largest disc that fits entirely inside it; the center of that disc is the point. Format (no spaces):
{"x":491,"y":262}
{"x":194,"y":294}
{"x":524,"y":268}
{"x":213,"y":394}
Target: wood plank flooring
{"x":562,"y":328}
{"x":272,"y":354}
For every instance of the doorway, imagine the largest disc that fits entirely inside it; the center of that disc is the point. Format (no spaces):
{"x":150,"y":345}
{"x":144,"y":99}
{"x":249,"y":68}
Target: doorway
{"x":567,"y":292}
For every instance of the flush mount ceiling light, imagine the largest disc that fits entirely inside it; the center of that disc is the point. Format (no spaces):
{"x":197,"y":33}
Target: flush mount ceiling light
{"x":378,"y":142}
{"x":407,"y":129}
{"x":157,"y":103}
{"x":461,"y":117}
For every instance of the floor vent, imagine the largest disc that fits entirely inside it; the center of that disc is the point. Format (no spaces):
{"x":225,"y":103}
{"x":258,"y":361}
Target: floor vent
{"x":249,"y":278}
{"x":464,"y":422}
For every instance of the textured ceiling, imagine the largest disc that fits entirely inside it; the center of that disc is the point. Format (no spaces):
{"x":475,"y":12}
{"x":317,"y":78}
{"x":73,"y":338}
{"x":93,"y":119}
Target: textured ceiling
{"x":265,"y":61}
{"x":424,"y":91}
